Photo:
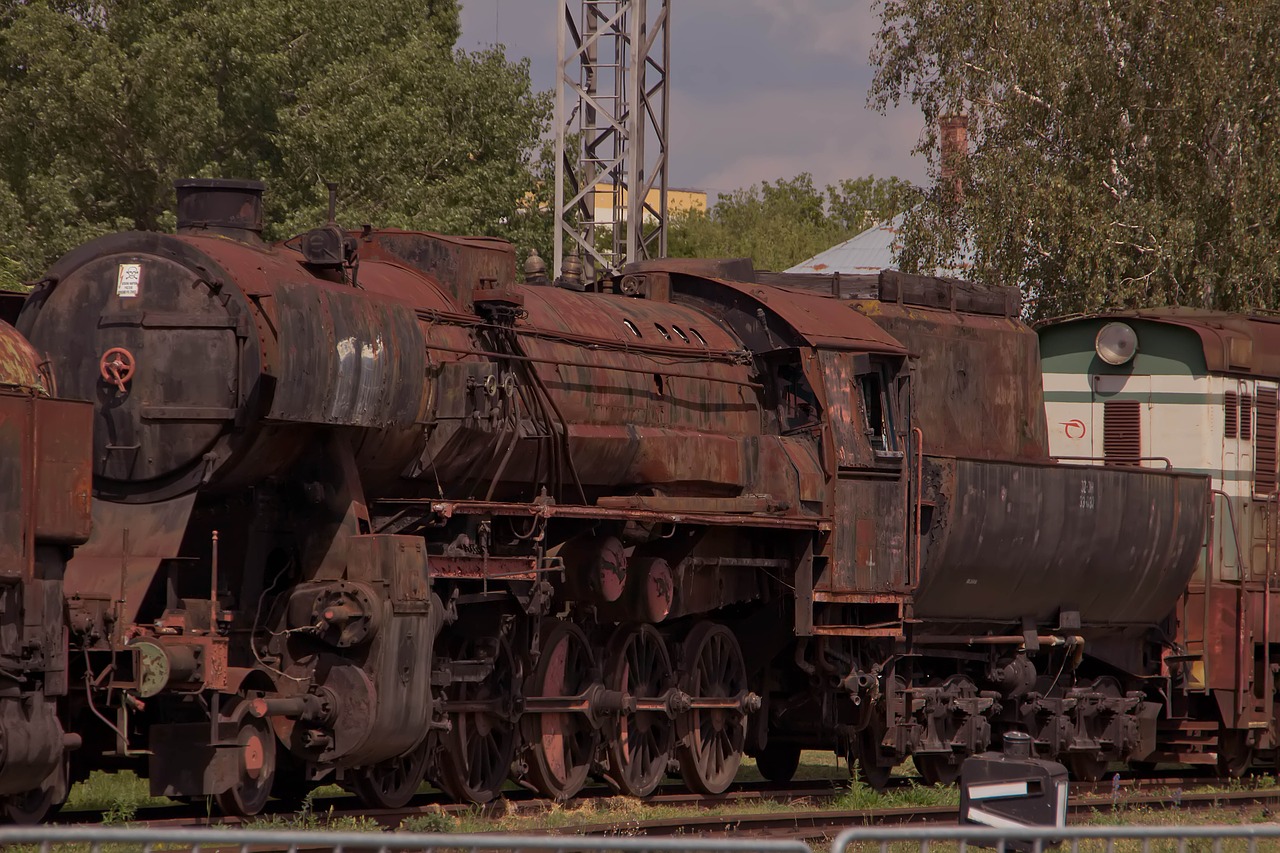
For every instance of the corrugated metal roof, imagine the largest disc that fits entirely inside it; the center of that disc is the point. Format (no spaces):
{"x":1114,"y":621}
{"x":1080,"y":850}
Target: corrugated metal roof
{"x":871,"y":251}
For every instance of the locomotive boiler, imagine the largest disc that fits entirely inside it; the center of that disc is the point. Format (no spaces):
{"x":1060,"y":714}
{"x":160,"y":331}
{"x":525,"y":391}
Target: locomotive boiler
{"x":367,"y":509}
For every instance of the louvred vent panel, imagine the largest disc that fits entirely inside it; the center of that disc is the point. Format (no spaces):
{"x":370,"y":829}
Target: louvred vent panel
{"x":1264,"y":455}
{"x":1122,"y":432}
{"x":1229,"y":408}
{"x":1246,"y":416}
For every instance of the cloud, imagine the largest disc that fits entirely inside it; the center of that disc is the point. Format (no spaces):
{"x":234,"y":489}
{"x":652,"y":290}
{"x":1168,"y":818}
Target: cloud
{"x":761,"y":89}
{"x":777,"y":133}
{"x":835,"y":27}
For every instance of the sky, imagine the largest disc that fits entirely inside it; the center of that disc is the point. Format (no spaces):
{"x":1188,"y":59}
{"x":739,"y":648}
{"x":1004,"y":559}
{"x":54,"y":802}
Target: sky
{"x":760,"y":89}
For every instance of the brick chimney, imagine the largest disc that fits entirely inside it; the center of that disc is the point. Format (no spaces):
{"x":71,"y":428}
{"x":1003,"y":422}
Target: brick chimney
{"x":953,"y":135}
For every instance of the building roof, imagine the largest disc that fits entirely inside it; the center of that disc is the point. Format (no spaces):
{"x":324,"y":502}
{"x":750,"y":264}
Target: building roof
{"x":871,"y":251}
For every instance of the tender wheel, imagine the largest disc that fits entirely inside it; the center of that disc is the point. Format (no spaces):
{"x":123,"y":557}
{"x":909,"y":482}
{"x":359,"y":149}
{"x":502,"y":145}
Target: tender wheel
{"x":28,"y":808}
{"x":480,"y":747}
{"x":937,"y":769}
{"x":392,"y":784}
{"x":863,"y":759}
{"x":712,"y":738}
{"x":255,"y":766}
{"x":1085,"y":767}
{"x":778,"y":762}
{"x":1235,"y":754}
{"x":562,"y":744}
{"x":640,"y":748}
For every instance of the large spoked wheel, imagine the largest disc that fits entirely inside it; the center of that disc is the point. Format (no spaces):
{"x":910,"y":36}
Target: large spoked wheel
{"x":712,"y":738}
{"x":392,"y":784}
{"x":937,"y":769}
{"x":562,"y":744}
{"x":28,"y":808}
{"x":778,"y":762}
{"x":639,"y":666}
{"x":1235,"y":753}
{"x":481,"y":745}
{"x":255,"y":766}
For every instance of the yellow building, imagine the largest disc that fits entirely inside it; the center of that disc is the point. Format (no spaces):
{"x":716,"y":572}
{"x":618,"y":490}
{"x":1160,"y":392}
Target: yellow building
{"x":678,"y":201}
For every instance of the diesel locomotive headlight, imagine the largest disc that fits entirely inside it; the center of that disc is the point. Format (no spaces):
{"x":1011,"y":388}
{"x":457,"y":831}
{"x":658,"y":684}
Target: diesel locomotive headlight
{"x":1116,"y":343}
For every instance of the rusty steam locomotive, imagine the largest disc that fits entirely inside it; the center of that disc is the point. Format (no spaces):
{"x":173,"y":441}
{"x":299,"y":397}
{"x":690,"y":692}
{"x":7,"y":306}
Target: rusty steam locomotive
{"x":366,"y":509}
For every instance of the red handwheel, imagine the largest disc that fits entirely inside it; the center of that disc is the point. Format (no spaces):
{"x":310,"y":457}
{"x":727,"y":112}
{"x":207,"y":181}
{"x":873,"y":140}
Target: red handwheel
{"x":116,"y":366}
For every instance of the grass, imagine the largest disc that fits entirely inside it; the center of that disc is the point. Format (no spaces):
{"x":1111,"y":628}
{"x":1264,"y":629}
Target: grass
{"x":117,"y":796}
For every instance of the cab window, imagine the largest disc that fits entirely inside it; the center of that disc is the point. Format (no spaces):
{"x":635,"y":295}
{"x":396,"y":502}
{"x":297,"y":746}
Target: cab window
{"x":877,"y":410}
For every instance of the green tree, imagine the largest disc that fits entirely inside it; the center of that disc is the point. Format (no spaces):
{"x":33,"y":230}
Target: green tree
{"x":778,"y":224}
{"x":103,"y":105}
{"x":1124,"y":153}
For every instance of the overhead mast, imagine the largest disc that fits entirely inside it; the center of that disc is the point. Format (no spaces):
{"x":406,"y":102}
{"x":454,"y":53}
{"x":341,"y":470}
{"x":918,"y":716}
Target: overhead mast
{"x":611,"y":109}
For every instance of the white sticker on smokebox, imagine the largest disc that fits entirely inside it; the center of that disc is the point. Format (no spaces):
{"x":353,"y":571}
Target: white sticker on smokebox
{"x":128,"y":278}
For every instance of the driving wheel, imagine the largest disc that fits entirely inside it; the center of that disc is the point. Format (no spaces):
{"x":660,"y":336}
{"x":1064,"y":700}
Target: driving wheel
{"x":638,"y":666}
{"x":479,"y":748}
{"x":562,"y":744}
{"x":713,"y":732}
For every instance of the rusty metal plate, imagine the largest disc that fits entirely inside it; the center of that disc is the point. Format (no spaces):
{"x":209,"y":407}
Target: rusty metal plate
{"x":976,"y":386}
{"x":1011,"y":540}
{"x":64,"y":471}
{"x":16,"y":523}
{"x":820,"y":320}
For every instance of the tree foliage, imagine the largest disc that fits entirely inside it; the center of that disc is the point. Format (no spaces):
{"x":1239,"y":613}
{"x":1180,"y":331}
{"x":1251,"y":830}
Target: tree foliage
{"x":1124,"y":152}
{"x":104,"y":104}
{"x":778,"y":224}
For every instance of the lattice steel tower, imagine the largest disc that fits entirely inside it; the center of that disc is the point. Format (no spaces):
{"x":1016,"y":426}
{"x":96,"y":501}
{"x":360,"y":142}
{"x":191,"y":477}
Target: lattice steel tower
{"x":611,"y":132}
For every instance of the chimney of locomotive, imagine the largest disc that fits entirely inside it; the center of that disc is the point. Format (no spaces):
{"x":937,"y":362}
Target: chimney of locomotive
{"x":227,"y":208}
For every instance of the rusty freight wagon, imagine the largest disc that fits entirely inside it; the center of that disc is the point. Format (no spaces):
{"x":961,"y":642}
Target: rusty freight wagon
{"x":44,"y":512}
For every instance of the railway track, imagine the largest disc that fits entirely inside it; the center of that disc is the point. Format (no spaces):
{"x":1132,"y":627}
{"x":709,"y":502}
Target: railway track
{"x":823,"y":823}
{"x":805,"y":822}
{"x":345,"y":806}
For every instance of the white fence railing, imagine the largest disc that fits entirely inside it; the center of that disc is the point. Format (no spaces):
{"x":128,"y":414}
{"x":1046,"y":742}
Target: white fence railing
{"x":48,"y":839}
{"x":1244,"y":838}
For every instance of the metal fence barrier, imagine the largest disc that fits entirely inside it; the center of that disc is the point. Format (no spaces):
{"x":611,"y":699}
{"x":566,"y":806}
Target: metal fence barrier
{"x":1239,"y":838}
{"x":48,"y":839}
{"x":1250,"y":838}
